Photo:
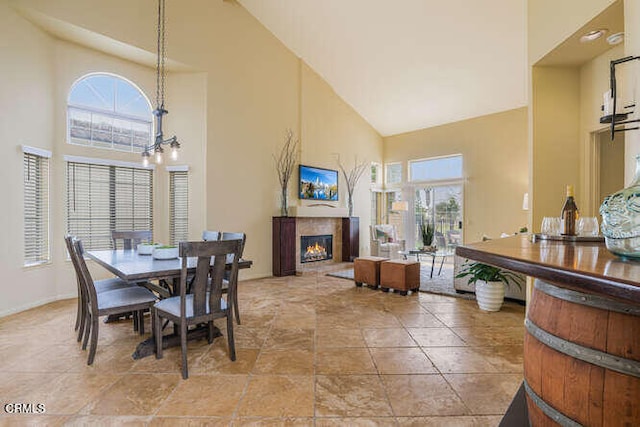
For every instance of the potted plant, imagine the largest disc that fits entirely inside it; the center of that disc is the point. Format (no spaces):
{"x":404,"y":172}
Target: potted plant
{"x":426,"y":230}
{"x":490,"y":283}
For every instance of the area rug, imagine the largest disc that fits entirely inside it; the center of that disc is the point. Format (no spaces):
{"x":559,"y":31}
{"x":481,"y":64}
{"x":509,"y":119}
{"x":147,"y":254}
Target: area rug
{"x":440,"y":284}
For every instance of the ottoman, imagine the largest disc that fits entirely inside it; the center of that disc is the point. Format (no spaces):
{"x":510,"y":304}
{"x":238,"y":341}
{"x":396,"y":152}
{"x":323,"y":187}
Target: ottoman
{"x":367,"y":270}
{"x":402,"y":275}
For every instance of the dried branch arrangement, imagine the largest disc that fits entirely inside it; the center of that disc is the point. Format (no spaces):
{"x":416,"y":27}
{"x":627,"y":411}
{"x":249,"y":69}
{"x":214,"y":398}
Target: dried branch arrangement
{"x":352,"y":177}
{"x":285,"y":163}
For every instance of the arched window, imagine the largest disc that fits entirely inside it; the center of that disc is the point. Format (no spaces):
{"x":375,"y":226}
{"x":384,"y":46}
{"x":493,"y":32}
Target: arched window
{"x":107,"y":111}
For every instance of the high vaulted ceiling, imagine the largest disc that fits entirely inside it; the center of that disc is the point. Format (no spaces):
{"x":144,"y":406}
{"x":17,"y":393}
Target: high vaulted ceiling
{"x":405,"y":65}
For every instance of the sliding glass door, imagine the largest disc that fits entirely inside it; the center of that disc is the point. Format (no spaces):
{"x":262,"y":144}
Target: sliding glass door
{"x":441,"y":206}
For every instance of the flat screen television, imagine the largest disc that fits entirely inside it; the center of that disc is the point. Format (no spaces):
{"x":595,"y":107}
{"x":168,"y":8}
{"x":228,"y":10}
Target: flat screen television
{"x":318,"y":183}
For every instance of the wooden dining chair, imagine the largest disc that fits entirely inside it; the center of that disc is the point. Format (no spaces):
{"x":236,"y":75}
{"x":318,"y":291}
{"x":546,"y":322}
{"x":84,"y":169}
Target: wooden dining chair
{"x":130,"y":239}
{"x":230,"y":284}
{"x":133,"y":299}
{"x":209,"y":236}
{"x":103,"y":285}
{"x":205,"y":302}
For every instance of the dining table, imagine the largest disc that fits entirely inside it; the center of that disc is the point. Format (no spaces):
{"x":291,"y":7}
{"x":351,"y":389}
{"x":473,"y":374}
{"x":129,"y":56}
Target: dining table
{"x":133,"y":267}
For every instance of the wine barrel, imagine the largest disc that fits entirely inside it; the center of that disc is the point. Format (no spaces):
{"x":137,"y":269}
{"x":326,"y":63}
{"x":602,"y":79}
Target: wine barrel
{"x":581,"y":359}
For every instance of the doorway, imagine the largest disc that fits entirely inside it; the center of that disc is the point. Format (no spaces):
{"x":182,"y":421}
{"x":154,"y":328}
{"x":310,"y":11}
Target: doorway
{"x":609,"y":166}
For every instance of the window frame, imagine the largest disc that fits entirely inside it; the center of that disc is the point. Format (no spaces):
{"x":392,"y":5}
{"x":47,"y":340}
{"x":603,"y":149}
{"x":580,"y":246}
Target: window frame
{"x":386,"y":174}
{"x":115,"y":167}
{"x":378,"y":182}
{"x":443,"y":180}
{"x":43,"y":206}
{"x":112,"y":114}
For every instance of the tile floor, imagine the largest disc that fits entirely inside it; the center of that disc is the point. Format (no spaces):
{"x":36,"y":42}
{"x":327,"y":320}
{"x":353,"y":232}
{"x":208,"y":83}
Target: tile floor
{"x":311,"y":351}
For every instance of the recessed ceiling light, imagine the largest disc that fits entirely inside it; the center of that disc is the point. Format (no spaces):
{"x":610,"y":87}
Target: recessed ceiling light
{"x":616,"y":38}
{"x":593,"y":35}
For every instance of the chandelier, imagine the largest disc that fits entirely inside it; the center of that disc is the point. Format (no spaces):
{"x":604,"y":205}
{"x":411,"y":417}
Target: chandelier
{"x":174,"y":145}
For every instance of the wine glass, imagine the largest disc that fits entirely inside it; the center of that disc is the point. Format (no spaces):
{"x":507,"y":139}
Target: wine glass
{"x":551,"y":226}
{"x":588,"y":226}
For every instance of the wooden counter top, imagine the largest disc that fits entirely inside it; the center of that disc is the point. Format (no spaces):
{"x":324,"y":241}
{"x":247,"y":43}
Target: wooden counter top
{"x":587,"y":267}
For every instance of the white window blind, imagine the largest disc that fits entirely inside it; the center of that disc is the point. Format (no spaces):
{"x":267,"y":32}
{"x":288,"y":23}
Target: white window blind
{"x":36,"y":209}
{"x":178,"y":206}
{"x":103,"y":198}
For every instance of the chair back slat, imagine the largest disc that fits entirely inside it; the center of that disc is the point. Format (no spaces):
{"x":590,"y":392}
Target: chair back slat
{"x":68,"y":240}
{"x":130,"y":239}
{"x":209,"y":236}
{"x":86,"y":281}
{"x":216,"y":252}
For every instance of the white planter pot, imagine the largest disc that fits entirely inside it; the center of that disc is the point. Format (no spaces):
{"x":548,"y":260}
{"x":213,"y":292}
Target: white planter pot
{"x":490,"y":295}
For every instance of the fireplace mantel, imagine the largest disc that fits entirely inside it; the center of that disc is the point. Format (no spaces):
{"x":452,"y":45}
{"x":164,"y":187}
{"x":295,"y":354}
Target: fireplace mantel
{"x":322,"y":211}
{"x":285,"y":243}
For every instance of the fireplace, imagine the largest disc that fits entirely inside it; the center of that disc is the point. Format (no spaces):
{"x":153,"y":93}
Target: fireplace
{"x":316,"y":248}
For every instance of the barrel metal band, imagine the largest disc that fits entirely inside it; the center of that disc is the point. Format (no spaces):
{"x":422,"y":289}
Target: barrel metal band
{"x":586,"y":354}
{"x":549,"y":410}
{"x":586,"y":299}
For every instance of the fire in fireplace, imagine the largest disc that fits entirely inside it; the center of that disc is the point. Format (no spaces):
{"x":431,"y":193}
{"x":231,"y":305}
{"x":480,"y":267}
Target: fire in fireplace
{"x":316,"y":248}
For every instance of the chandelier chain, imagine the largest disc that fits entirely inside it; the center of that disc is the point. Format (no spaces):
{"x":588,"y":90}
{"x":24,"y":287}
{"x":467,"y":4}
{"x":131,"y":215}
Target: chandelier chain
{"x":160,"y":57}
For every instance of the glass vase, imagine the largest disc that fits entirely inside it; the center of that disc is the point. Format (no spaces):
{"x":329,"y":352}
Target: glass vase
{"x":284,"y":202}
{"x":621,"y":219}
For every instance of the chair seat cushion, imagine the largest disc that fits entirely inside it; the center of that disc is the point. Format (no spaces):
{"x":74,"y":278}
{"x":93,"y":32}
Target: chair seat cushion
{"x":111,"y":284}
{"x":126,"y":297}
{"x":172,"y":305}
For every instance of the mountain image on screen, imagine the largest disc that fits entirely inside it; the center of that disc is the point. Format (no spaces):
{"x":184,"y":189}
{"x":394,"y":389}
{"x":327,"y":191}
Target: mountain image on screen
{"x":318,"y":183}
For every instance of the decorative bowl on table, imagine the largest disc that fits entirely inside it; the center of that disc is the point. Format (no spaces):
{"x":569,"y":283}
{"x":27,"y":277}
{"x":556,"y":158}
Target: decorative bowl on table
{"x":165,"y":252}
{"x":147,"y":248}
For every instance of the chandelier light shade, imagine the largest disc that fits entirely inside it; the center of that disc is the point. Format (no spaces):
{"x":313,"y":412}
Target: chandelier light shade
{"x":160,"y":110}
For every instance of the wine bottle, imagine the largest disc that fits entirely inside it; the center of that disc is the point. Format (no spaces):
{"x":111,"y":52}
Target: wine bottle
{"x":569,"y":214}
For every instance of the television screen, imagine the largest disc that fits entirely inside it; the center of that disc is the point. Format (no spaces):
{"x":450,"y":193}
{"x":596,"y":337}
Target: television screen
{"x":318,"y":183}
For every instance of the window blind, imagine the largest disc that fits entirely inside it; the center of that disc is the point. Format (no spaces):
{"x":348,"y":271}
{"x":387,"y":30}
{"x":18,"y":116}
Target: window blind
{"x":36,"y":209}
{"x":178,"y":206}
{"x":103,"y":198}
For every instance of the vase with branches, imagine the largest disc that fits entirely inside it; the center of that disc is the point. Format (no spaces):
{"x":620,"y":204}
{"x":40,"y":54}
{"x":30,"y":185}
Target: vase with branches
{"x":285,"y":162}
{"x":351,"y":177}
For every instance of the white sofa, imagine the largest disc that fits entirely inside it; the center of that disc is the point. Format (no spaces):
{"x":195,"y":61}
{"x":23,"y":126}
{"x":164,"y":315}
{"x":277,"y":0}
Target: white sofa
{"x":385,"y":242}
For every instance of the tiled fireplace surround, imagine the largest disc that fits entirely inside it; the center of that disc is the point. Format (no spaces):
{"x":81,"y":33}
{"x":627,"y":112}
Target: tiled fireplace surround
{"x":307,"y":226}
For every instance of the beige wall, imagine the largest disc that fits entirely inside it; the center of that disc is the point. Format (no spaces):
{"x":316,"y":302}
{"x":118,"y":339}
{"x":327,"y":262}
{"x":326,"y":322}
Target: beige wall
{"x":551,"y":22}
{"x":495,"y":163}
{"x":230,"y":116}
{"x":556,"y":139}
{"x":594,"y":81}
{"x":556,"y":98}
{"x":329,"y":128}
{"x":27,"y":103}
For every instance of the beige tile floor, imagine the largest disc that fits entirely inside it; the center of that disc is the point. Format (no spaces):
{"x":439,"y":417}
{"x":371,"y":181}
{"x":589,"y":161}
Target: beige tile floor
{"x":311,"y":350}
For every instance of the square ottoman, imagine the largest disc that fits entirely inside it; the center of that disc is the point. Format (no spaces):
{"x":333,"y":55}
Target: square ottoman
{"x":367,"y":270}
{"x":401,"y":275}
